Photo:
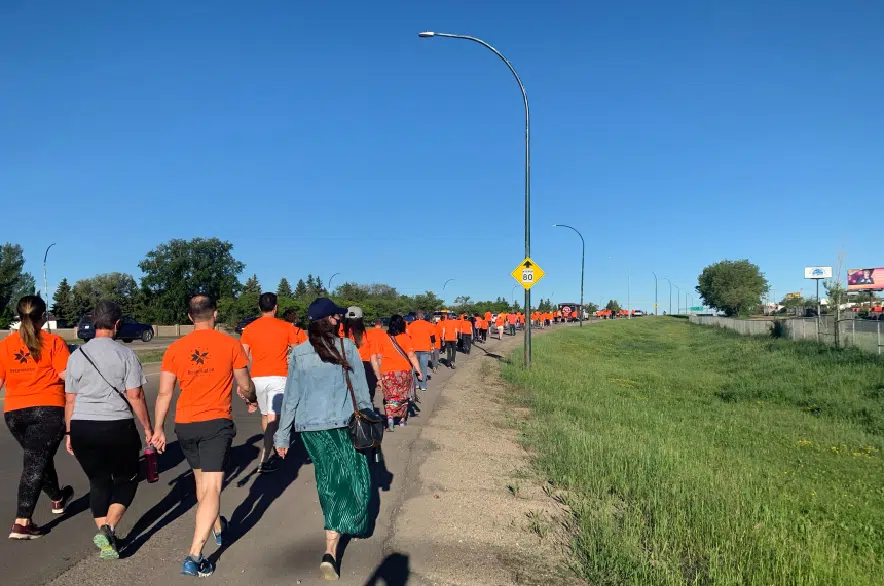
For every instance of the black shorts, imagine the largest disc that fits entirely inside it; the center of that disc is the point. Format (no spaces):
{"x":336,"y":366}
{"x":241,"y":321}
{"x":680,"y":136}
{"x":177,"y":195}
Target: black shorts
{"x":206,"y":444}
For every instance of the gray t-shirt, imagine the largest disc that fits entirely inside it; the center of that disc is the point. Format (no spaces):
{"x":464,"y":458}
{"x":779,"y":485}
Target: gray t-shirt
{"x":96,"y":400}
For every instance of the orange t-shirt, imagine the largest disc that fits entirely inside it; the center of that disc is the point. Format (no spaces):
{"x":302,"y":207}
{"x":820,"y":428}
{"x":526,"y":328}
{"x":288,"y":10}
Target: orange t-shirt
{"x":203,"y":361}
{"x":512,"y":318}
{"x":451,"y":327}
{"x":499,"y":321}
{"x":369,"y":345}
{"x":391,"y":359}
{"x":466,"y":327}
{"x":488,"y":316}
{"x":268,"y":339}
{"x":32,"y":383}
{"x":420,"y":331}
{"x":438,"y":327}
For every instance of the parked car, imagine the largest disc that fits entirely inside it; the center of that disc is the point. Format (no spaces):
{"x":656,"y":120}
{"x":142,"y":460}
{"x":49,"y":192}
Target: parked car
{"x":243,"y":323}
{"x":130,"y":329}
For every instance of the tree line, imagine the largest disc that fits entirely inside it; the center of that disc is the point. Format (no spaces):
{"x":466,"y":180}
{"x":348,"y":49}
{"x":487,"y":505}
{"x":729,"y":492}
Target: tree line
{"x":175,"y":270}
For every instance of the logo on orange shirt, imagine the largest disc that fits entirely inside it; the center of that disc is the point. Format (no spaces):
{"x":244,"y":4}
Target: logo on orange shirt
{"x":22,"y":356}
{"x":199,"y":357}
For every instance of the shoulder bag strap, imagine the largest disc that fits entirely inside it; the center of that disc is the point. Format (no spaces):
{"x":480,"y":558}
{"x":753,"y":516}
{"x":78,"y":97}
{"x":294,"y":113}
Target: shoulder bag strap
{"x":119,"y":392}
{"x":347,"y":378}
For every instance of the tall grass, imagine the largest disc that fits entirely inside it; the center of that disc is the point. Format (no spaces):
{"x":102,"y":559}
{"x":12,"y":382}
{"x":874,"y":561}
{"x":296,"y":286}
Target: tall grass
{"x":695,"y":456}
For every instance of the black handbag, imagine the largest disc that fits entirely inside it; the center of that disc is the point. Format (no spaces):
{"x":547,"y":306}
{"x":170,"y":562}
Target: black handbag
{"x":365,"y":427}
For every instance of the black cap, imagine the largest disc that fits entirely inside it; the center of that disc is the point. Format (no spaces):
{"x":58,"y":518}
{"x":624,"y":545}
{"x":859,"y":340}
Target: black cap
{"x":322,"y":308}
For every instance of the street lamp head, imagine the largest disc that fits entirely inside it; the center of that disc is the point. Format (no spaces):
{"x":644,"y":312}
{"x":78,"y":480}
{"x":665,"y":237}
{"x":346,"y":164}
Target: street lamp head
{"x":426,"y":34}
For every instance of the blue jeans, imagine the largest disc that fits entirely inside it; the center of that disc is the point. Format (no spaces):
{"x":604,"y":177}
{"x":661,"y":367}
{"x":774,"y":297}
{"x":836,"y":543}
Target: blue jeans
{"x":423,"y":359}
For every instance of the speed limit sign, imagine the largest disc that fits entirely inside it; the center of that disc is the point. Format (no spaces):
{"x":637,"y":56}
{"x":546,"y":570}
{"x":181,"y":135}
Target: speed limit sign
{"x":527,"y":273}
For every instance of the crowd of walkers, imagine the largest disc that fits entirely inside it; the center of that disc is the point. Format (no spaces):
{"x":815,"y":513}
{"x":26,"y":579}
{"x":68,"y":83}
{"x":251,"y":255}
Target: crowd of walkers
{"x":306,"y":382}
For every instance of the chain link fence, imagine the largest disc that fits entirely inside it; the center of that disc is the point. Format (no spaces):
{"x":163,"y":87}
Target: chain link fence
{"x":867,"y":335}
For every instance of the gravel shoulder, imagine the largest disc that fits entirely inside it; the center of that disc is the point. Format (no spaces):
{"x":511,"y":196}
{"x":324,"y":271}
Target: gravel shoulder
{"x":473,"y":513}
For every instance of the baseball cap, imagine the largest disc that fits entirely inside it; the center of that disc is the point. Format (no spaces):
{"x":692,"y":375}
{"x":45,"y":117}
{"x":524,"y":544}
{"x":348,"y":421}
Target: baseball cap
{"x":354,"y":312}
{"x":322,"y":308}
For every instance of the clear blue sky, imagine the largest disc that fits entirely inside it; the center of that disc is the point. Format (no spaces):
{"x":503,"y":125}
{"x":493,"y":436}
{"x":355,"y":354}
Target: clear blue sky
{"x":326,"y":137}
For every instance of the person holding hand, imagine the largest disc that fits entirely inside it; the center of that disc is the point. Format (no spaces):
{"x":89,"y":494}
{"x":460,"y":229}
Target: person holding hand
{"x":104,"y":396}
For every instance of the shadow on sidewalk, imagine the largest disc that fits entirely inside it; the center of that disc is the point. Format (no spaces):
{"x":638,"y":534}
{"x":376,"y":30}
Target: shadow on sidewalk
{"x":393,"y":571}
{"x":265,"y":489}
{"x":182,"y":497}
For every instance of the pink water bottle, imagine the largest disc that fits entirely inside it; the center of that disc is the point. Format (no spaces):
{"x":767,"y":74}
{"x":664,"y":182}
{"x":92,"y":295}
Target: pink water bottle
{"x":151,"y":473}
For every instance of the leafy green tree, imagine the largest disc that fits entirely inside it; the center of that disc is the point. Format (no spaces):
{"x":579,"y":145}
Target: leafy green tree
{"x":62,"y":301}
{"x":177,"y":269}
{"x":118,"y":287}
{"x":732,"y":286}
{"x":252,"y":285}
{"x":26,"y":285}
{"x":612,"y":305}
{"x":12,"y":261}
{"x":284,"y":290}
{"x":301,"y":290}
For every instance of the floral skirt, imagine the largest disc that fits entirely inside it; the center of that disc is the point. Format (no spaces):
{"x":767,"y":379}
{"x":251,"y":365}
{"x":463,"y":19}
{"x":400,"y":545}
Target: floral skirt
{"x":397,"y":386}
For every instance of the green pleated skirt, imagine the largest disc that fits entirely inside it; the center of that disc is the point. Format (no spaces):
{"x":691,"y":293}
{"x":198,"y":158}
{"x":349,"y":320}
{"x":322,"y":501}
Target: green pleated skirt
{"x":342,"y":480}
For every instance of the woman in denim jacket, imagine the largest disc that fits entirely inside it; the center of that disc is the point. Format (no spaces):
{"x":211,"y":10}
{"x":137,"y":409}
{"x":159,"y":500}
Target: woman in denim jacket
{"x":317,"y":404}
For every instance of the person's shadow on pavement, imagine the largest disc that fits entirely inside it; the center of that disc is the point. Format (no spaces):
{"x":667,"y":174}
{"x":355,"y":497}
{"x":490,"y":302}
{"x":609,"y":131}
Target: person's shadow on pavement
{"x":265,"y":489}
{"x":393,"y":571}
{"x":182,"y":497}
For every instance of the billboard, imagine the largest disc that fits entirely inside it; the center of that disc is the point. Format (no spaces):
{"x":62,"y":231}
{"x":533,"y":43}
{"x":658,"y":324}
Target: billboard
{"x":817,"y":272}
{"x":795,"y":295}
{"x":865,"y":279}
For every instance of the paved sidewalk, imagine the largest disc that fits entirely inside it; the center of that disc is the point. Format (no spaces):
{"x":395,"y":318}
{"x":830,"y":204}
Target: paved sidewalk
{"x":276,"y":518}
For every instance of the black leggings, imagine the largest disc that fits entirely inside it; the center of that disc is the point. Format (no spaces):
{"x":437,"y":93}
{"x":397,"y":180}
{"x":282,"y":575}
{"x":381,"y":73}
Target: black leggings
{"x":451,"y":351}
{"x":39,"y":430}
{"x":108,"y":451}
{"x":371,"y":379}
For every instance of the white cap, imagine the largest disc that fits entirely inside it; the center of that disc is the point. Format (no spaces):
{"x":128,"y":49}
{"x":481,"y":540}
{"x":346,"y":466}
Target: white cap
{"x":354,"y":312}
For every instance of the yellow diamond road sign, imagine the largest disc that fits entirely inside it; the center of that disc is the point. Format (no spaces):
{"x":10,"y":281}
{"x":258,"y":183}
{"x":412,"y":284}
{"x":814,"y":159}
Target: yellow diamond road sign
{"x":528,"y":273}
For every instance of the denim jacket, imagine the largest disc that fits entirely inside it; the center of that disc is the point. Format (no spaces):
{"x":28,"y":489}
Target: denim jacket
{"x":316,"y":395}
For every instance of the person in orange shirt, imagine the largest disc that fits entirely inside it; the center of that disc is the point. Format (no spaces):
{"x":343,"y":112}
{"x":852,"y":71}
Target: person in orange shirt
{"x":267,"y":342}
{"x":511,"y":321}
{"x":466,"y":334}
{"x":397,"y":363}
{"x":291,"y":315}
{"x":481,"y":329}
{"x":32,"y":367}
{"x":422,"y":334}
{"x":204,"y":363}
{"x":367,"y":344}
{"x":437,"y":347}
{"x":498,"y":323}
{"x":450,"y":331}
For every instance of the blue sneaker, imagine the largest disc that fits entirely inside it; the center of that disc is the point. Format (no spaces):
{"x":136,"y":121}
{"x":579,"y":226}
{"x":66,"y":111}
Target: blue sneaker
{"x":219,"y":536}
{"x":197,"y":567}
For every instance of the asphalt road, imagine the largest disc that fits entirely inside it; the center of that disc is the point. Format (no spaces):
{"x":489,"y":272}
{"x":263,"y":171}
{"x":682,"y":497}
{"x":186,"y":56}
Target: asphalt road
{"x":155,"y":344}
{"x":276,"y":521}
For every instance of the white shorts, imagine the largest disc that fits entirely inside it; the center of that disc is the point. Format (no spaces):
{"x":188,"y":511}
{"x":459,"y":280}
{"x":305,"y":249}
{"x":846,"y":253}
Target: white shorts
{"x":269,"y":390}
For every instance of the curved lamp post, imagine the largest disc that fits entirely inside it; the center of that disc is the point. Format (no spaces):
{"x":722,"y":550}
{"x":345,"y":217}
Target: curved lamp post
{"x":582,"y":264}
{"x":670,"y":294}
{"x":330,"y":279}
{"x":46,"y":283}
{"x":429,"y":34}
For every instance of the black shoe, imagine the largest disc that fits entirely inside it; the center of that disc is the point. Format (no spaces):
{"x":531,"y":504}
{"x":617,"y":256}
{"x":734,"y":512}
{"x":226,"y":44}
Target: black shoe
{"x":453,"y":366}
{"x":67,"y":493}
{"x":329,"y":567}
{"x":271,"y":465}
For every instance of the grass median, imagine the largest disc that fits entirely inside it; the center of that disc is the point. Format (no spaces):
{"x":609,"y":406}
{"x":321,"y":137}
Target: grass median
{"x":694,"y":456}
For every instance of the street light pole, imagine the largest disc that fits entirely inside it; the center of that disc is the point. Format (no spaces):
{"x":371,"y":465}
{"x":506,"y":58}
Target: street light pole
{"x":656,"y":311}
{"x":670,"y":294}
{"x":582,"y":264}
{"x":45,"y":282}
{"x":678,"y":299}
{"x":428,"y":34}
{"x":330,"y":279}
{"x":513,"y":295}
